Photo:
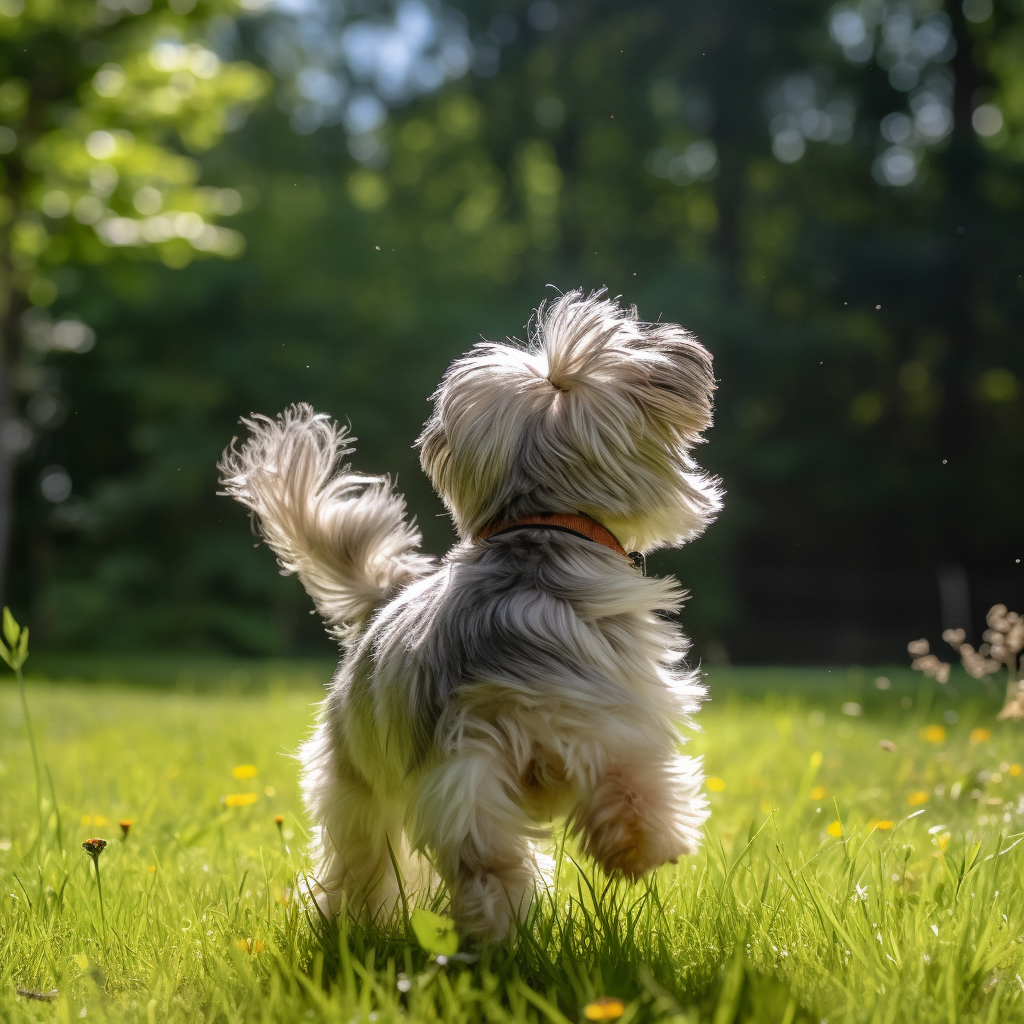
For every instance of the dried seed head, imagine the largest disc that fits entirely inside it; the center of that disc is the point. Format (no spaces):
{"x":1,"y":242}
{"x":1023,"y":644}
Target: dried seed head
{"x":955,"y":638}
{"x":996,"y":612}
{"x":918,"y":647}
{"x":94,"y":847}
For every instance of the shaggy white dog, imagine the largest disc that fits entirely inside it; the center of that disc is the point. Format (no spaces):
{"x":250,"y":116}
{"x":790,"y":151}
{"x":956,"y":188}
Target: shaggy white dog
{"x":534,"y":672}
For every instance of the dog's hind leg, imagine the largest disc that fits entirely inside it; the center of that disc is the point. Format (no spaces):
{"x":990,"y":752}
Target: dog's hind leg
{"x":357,"y":833}
{"x":467,"y":814}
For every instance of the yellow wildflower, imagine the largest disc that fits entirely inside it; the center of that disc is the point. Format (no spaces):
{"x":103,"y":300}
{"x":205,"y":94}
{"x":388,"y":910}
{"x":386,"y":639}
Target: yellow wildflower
{"x":716,"y":785}
{"x":244,"y":771}
{"x":917,"y":798}
{"x":942,"y":841}
{"x":836,"y":829}
{"x":605,"y":1008}
{"x":240,"y":799}
{"x":933,"y":733}
{"x":1015,"y":770}
{"x":978,"y":735}
{"x":818,"y":792}
{"x":885,"y":825}
{"x":249,"y":945}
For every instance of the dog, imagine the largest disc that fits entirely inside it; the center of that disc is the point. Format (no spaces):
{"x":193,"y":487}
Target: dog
{"x":534,"y":672}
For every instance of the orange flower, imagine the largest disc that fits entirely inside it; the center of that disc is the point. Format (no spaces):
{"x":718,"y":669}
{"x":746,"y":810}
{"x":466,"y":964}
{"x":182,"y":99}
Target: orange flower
{"x":240,"y":799}
{"x":604,"y":1008}
{"x":126,"y":827}
{"x":978,"y":735}
{"x":279,"y":821}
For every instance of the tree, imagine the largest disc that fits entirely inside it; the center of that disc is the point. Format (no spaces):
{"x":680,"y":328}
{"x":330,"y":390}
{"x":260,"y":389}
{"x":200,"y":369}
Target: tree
{"x":100,"y":106}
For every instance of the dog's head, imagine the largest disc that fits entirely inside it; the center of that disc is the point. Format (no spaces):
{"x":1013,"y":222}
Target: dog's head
{"x":597,"y":414}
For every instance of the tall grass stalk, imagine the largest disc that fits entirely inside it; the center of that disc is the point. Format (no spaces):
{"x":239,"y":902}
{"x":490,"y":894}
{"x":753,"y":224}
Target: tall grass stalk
{"x":14,"y":653}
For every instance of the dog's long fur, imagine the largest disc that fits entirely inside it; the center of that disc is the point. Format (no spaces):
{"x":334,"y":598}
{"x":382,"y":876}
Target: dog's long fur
{"x":532,"y":675}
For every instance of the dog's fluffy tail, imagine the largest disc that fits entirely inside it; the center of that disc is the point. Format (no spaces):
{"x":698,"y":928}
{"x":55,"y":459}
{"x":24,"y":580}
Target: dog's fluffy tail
{"x":344,"y":534}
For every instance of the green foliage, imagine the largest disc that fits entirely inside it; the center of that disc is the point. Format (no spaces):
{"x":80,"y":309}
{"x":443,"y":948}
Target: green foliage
{"x":870,"y":415}
{"x":912,"y":913}
{"x":97,"y":100}
{"x":434,"y":933}
{"x":15,"y":651}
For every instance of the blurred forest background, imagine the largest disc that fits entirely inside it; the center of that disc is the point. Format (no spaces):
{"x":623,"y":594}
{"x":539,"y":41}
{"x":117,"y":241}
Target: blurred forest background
{"x":212,"y":207}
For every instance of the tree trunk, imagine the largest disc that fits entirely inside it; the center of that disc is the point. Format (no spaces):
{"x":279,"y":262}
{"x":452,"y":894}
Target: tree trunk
{"x":10,"y":336}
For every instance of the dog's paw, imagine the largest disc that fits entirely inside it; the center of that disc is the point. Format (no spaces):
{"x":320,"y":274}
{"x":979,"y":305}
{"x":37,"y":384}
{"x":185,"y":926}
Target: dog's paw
{"x":629,"y":830}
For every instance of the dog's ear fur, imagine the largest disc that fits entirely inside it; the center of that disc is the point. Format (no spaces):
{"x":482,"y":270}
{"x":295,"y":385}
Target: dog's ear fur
{"x":596,"y":415}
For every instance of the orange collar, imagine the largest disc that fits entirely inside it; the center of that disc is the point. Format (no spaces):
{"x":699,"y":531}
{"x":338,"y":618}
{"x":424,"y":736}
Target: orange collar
{"x":576,"y":523}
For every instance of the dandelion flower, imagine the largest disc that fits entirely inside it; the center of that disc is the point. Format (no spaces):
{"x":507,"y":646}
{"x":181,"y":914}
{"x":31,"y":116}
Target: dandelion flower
{"x":978,"y":735}
{"x":818,"y":793}
{"x":1015,"y":770}
{"x":716,"y":785}
{"x":249,"y":945}
{"x":836,"y":829}
{"x":240,"y":799}
{"x":942,"y":841}
{"x":279,"y":821}
{"x":244,"y":771}
{"x":126,"y":827}
{"x":884,"y":825}
{"x":917,"y":798}
{"x":605,"y":1008}
{"x":933,"y":733}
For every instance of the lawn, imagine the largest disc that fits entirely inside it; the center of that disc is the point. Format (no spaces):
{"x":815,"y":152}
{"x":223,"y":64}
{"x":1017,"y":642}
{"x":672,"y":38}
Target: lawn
{"x":860,"y":865}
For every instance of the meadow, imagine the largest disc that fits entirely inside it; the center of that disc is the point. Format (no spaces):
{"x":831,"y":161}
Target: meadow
{"x":861,"y":864}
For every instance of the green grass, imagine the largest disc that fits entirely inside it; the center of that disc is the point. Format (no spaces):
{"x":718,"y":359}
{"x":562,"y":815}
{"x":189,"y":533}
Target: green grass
{"x":776,"y":920}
